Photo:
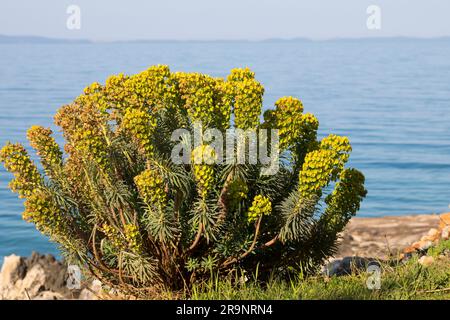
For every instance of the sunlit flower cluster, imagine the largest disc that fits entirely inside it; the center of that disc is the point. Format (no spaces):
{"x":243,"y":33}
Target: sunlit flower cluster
{"x":113,"y":236}
{"x":151,"y":187}
{"x":293,"y":126}
{"x":317,"y":171}
{"x":151,"y":89}
{"x":90,"y":142}
{"x":41,"y":210}
{"x":205,"y":99}
{"x":133,"y":238}
{"x":341,"y":145}
{"x":85,"y":129}
{"x":237,"y":191}
{"x":74,"y":175}
{"x":247,"y":95}
{"x":115,"y":92}
{"x":67,"y":118}
{"x":261,"y":205}
{"x":95,"y":95}
{"x":140,"y":125}
{"x":202,"y":158}
{"x":324,"y":165}
{"x":26,"y":175}
{"x":346,"y":197}
{"x":46,"y":148}
{"x":129,"y":240}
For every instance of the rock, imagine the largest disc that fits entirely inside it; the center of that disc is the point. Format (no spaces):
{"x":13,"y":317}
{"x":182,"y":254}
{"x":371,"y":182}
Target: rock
{"x":37,"y":277}
{"x":425,"y":245}
{"x":49,"y":295}
{"x":87,"y":294}
{"x":422,"y":245}
{"x":13,"y":269}
{"x":433,"y":233}
{"x":33,"y":283}
{"x":405,"y":256}
{"x":426,"y":261}
{"x":96,"y":286}
{"x":55,"y":271}
{"x":445,"y":233}
{"x":408,"y":250}
{"x":348,"y":265}
{"x":93,"y":292}
{"x":444,"y":220}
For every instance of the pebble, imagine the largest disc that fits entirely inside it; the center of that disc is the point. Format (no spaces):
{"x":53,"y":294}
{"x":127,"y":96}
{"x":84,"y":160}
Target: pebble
{"x":445,"y":233}
{"x":426,"y":261}
{"x":433,"y":232}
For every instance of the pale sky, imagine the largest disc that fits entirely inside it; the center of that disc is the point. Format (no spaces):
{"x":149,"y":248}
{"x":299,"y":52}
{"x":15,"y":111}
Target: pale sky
{"x":224,"y":19}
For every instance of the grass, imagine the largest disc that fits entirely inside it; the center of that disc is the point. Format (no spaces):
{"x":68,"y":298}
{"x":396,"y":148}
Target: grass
{"x":409,"y":280}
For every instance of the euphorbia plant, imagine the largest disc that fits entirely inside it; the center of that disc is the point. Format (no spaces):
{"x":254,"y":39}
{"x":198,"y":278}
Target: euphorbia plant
{"x":120,"y":206}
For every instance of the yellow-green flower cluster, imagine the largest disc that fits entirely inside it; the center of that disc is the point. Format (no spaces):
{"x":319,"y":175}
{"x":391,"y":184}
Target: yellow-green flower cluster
{"x":85,"y":128}
{"x":115,"y":92}
{"x":205,"y":99}
{"x":94,"y":94}
{"x":133,"y":238}
{"x":239,"y":75}
{"x":324,"y":165}
{"x":141,"y":126}
{"x":237,"y":191}
{"x":46,"y":147}
{"x":203,"y":154}
{"x":67,"y":118}
{"x":289,"y":107}
{"x":151,"y":89}
{"x":130,"y":239}
{"x":93,"y":88}
{"x":26,"y":175}
{"x":293,"y":126}
{"x":151,"y":187}
{"x":339,"y":144}
{"x":247,"y":95}
{"x":344,"y":201}
{"x":310,"y":124}
{"x":261,"y":205}
{"x":41,"y":210}
{"x":74,"y":174}
{"x":316,"y":172}
{"x":202,"y":159}
{"x":113,"y":236}
{"x":90,"y":142}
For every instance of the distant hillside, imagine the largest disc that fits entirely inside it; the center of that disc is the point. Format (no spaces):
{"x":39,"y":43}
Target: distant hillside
{"x":44,"y":40}
{"x":35,"y":39}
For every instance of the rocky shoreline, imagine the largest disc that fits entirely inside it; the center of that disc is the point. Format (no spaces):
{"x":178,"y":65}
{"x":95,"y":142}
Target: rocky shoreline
{"x":42,"y":277}
{"x":382,"y":237}
{"x":368,"y":241}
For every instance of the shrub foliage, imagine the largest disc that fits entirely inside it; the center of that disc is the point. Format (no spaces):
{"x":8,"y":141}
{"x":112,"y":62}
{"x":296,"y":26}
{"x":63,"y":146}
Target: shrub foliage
{"x":118,"y":205}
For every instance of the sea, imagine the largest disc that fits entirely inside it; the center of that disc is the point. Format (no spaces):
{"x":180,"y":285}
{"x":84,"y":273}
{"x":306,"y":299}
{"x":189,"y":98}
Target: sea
{"x":390,"y":96}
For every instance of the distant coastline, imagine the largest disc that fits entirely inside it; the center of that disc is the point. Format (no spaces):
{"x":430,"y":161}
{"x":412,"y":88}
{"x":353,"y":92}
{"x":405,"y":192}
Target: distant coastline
{"x":38,"y":40}
{"x":29,"y":39}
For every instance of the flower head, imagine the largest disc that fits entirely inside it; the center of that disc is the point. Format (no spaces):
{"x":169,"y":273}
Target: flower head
{"x":261,"y":205}
{"x":26,"y":175}
{"x":46,"y":147}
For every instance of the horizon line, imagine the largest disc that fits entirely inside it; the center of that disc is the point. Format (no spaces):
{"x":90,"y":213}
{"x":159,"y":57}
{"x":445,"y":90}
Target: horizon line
{"x":39,"y":38}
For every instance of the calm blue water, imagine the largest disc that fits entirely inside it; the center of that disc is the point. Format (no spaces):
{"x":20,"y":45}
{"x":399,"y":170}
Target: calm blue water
{"x":391,"y":97}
